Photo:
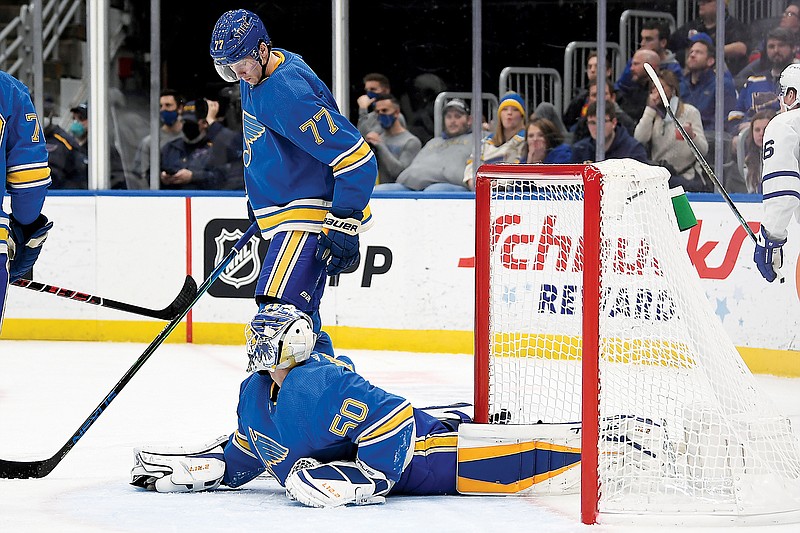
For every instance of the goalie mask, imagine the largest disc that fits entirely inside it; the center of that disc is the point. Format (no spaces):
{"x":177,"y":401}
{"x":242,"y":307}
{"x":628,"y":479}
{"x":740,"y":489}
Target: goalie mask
{"x":790,"y":79}
{"x":279,"y":336}
{"x":235,"y":44}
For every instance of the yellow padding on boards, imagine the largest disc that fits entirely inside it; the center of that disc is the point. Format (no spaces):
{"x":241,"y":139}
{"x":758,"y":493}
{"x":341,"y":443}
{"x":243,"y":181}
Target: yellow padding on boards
{"x":87,"y":330}
{"x":783,"y":363}
{"x":567,"y":348}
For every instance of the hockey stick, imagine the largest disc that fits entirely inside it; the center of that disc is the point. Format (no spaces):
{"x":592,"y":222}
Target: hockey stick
{"x":38,"y":469}
{"x":168,"y":313}
{"x":702,"y":160}
{"x":696,"y":151}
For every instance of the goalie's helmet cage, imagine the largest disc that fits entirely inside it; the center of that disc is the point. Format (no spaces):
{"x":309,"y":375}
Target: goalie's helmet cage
{"x":237,"y":35}
{"x":588,"y":309}
{"x":278,"y":336}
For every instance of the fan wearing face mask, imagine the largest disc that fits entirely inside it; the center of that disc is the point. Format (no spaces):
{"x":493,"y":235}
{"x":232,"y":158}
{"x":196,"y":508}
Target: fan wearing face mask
{"x":395,"y":146}
{"x":79,"y":128}
{"x":190,"y":161}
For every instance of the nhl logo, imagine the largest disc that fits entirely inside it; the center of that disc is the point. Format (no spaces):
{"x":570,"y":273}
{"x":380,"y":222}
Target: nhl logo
{"x":246,"y":266}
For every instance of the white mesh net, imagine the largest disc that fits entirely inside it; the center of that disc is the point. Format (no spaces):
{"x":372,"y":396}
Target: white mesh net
{"x":683,"y":428}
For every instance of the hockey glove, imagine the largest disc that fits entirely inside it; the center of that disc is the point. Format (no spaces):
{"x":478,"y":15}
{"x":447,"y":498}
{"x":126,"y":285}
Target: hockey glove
{"x":337,"y":244}
{"x":179,"y":468}
{"x":333,"y":484}
{"x":25,"y":244}
{"x":768,"y":255}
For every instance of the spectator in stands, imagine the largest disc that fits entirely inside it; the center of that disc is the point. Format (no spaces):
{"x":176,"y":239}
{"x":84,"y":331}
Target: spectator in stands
{"x":784,"y":43}
{"x":736,"y":35}
{"x":67,"y":167}
{"x":192,"y":161}
{"x":666,"y":147}
{"x":417,"y":105}
{"x":548,"y":111}
{"x":439,"y":166}
{"x":395,"y":147}
{"x":228,"y":145}
{"x":507,"y":142}
{"x":789,"y":20}
{"x":375,"y":84}
{"x":171,"y":106}
{"x":633,"y":98}
{"x":748,"y":151}
{"x":654,"y":35}
{"x":580,"y":102}
{"x":761,"y":89}
{"x":698,"y":86}
{"x":545,"y":143}
{"x":80,"y":130}
{"x":581,"y":129}
{"x":618,"y":142}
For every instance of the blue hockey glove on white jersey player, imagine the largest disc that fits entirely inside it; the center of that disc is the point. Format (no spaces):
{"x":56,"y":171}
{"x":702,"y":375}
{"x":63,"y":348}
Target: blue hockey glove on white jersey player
{"x":338,"y":241}
{"x":768,"y":255}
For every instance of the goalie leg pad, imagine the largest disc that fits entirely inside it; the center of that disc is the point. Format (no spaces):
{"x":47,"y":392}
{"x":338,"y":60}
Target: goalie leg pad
{"x":505,"y":459}
{"x":334,"y":484}
{"x":179,"y":468}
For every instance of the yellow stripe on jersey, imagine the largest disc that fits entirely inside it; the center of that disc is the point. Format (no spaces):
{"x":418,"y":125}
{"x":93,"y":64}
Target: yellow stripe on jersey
{"x":337,"y":362}
{"x":240,"y":441}
{"x":285,"y":262}
{"x":443,"y":442}
{"x":355,"y":159}
{"x":392,"y":422}
{"x":22,"y":177}
{"x":293,"y":214}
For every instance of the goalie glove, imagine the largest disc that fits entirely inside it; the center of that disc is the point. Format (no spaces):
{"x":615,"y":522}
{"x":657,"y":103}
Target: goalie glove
{"x":179,"y":468}
{"x":337,"y":244}
{"x":337,"y":483}
{"x":25,"y":244}
{"x":768,"y":255}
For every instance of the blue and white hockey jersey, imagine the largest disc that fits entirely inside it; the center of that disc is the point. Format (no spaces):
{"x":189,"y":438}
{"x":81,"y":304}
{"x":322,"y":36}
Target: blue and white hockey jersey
{"x":301,"y":156}
{"x":326,"y":411}
{"x":781,"y":173}
{"x":23,"y":155}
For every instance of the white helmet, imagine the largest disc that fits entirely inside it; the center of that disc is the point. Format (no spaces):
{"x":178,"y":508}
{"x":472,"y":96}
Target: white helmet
{"x":278,"y":336}
{"x":790,"y":79}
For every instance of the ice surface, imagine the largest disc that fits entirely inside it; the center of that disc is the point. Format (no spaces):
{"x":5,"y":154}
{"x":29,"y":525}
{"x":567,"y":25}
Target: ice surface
{"x":187,"y":394}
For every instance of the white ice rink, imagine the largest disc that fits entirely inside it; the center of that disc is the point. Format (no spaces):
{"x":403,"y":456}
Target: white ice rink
{"x":187,"y":394}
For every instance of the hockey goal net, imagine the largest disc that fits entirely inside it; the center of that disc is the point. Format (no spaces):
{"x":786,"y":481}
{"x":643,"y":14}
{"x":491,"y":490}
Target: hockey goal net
{"x":587,"y":308}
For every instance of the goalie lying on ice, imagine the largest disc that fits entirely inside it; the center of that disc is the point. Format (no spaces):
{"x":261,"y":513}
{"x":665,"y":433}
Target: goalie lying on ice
{"x":331,"y":438}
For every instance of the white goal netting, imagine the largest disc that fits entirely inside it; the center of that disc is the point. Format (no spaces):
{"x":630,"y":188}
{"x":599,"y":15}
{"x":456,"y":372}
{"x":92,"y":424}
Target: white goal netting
{"x":683,"y":427}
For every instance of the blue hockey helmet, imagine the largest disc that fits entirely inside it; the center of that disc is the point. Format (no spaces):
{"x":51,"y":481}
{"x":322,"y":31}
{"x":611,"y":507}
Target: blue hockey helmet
{"x":237,"y":35}
{"x":278,"y":336}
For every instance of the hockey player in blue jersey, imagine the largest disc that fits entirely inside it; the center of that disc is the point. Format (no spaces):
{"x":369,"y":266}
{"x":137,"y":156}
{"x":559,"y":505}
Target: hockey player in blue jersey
{"x":23,"y":157}
{"x":319,"y":428}
{"x":308,"y":172}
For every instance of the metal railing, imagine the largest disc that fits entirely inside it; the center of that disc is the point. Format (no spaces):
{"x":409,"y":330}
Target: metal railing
{"x":745,"y":10}
{"x":630,"y":27}
{"x":575,"y":57}
{"x":16,"y":39}
{"x":534,"y":84}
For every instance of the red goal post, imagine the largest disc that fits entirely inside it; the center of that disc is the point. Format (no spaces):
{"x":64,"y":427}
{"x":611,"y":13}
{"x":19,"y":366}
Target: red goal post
{"x":588,"y":309}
